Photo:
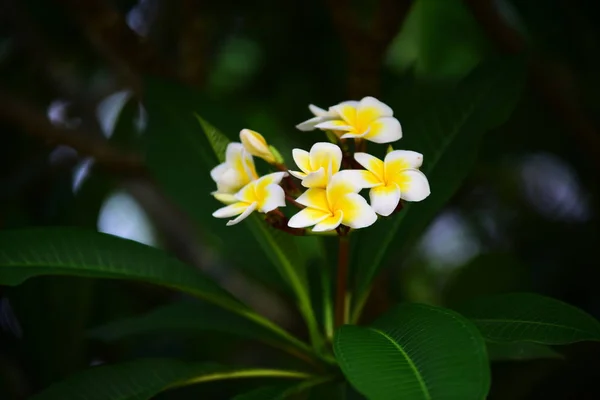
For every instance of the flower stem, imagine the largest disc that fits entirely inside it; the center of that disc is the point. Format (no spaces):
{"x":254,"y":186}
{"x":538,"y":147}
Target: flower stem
{"x":293,"y":202}
{"x":341,"y":316}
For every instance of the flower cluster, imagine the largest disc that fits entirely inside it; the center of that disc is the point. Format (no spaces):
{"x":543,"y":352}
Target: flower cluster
{"x":332,"y":177}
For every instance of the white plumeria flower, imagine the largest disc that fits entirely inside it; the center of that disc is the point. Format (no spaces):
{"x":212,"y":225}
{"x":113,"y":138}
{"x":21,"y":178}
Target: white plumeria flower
{"x":262,"y":195}
{"x":317,"y":167}
{"x":395,"y":178}
{"x":338,"y":204}
{"x":321,"y":115}
{"x":236,"y":172}
{"x":255,"y":144}
{"x":369,"y":119}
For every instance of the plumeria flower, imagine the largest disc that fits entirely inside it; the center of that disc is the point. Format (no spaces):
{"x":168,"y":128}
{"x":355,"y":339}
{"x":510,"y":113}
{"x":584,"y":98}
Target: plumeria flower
{"x":262,"y":195}
{"x":236,"y":172}
{"x":321,"y":115}
{"x":396,"y":177}
{"x":255,"y":144}
{"x":369,"y":119}
{"x":319,"y":165}
{"x":339,"y":203}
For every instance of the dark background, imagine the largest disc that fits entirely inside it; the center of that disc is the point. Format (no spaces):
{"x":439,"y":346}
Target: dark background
{"x":526,"y":218}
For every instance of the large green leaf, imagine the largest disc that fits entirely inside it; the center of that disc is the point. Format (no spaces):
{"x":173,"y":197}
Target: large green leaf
{"x":415,"y":351}
{"x":448,"y":134}
{"x":67,"y":251}
{"x":530,"y":317}
{"x":143,"y":379}
{"x":184,"y":317}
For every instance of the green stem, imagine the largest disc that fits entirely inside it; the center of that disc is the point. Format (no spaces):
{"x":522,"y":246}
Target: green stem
{"x":245,"y":373}
{"x":359,"y":305}
{"x":327,"y":303}
{"x":341,"y":314}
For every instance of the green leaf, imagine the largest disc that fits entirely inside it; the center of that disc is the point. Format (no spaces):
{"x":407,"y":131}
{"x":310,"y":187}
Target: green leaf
{"x":520,"y":351}
{"x":184,"y":317}
{"x":218,"y":142}
{"x":415,"y":351}
{"x":530,"y":317}
{"x":448,"y":134}
{"x":143,"y":379}
{"x":26,"y":253}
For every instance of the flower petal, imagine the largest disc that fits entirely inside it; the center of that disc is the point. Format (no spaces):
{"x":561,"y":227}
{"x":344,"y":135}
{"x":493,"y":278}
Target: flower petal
{"x":272,"y":178}
{"x":317,"y":179}
{"x":243,"y":215}
{"x":398,"y":160}
{"x":340,"y":185}
{"x":357,"y":212}
{"x":384,"y":130}
{"x":362,"y":178}
{"x":347,"y":111}
{"x":274,"y":198}
{"x":302,"y":160}
{"x":371,"y":109}
{"x":298,"y":174}
{"x":352,"y":135}
{"x":307,"y":217}
{"x":310,"y":124}
{"x":334,"y":125}
{"x":329,"y":223}
{"x":413,"y":184}
{"x":314,"y":198}
{"x":231,"y":210}
{"x":371,"y":163}
{"x":217,"y":172}
{"x":385,"y":199}
{"x":317,"y":111}
{"x":323,"y":154}
{"x":255,"y":144}
{"x":241,"y":161}
{"x":225,"y":198}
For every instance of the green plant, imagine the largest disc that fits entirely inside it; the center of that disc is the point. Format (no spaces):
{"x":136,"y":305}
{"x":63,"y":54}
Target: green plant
{"x":412,"y":351}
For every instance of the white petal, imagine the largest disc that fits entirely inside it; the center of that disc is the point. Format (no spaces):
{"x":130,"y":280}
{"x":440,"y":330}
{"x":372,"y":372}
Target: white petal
{"x":329,"y":223}
{"x":362,"y":178}
{"x":374,"y":107}
{"x":357,"y":212}
{"x":298,"y":174}
{"x":317,"y":111}
{"x":307,"y":217}
{"x":385,"y":199}
{"x":310,"y":124}
{"x":243,"y":215}
{"x":397,"y":160}
{"x":218,"y":171}
{"x":384,"y":130}
{"x":317,"y":179}
{"x":275,"y":198}
{"x":324,"y":154}
{"x":230,"y":210}
{"x":370,"y":163}
{"x":414,"y":186}
{"x":233,"y":152}
{"x":351,"y":135}
{"x":334,"y":125}
{"x":272,"y":178}
{"x":302,"y":160}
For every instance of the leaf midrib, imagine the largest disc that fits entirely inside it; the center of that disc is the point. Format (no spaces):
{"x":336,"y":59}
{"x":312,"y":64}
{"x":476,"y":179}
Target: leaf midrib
{"x":411,"y":364}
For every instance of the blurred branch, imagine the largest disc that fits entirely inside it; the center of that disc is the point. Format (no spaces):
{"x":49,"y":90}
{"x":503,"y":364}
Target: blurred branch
{"x":194,"y":41}
{"x":107,"y":29}
{"x":37,"y":124}
{"x":366,"y":48}
{"x":553,"y":82}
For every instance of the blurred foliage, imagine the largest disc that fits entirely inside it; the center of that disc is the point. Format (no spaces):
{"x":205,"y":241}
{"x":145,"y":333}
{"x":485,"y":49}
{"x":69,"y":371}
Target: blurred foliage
{"x":524,"y":218}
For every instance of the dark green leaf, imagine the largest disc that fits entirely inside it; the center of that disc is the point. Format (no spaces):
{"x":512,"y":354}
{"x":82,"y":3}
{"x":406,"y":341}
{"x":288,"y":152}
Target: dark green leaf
{"x":143,"y":379}
{"x":530,"y":317}
{"x":66,"y":251}
{"x":280,"y":391}
{"x":415,"y":351}
{"x":520,"y":351}
{"x":448,"y":135}
{"x":184,"y":317}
